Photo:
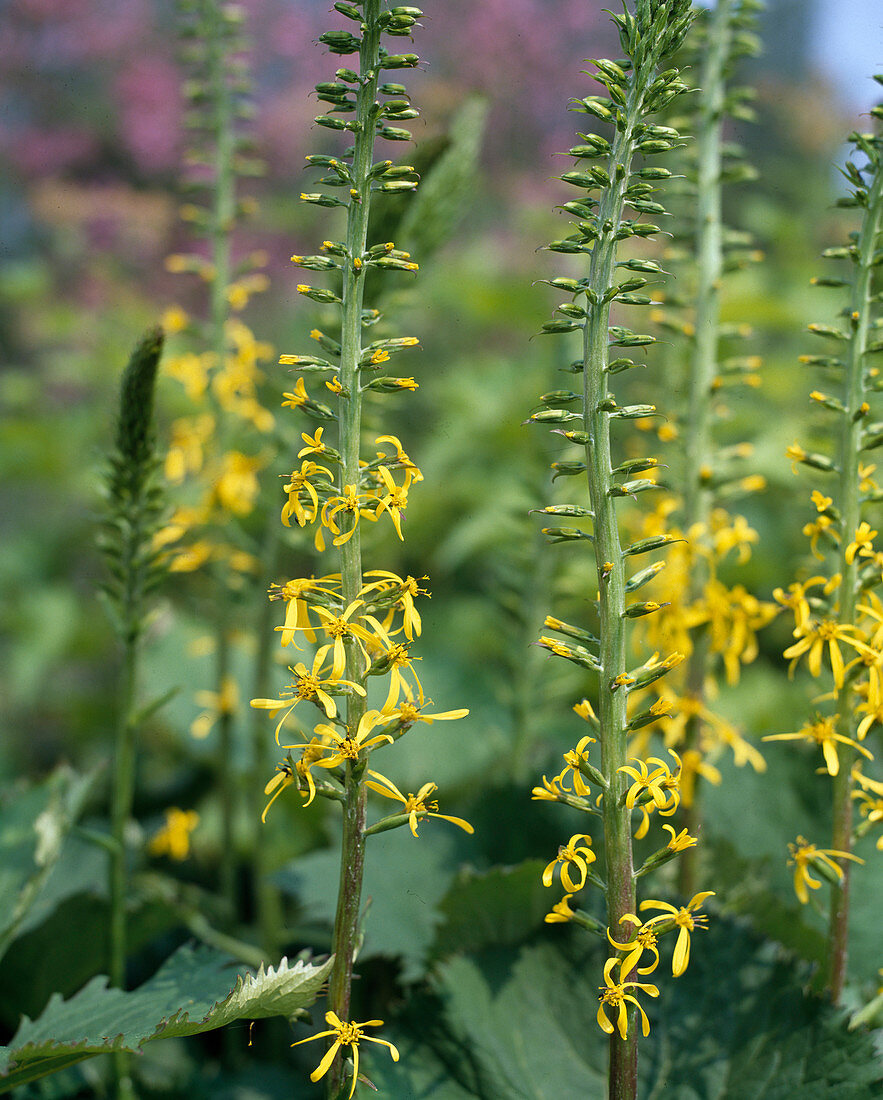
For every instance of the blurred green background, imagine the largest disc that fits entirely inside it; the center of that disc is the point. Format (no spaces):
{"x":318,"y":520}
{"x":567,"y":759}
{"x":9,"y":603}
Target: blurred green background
{"x":91,"y":142}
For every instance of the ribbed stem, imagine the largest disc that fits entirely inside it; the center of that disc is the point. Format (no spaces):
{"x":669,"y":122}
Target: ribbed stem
{"x":849,"y":502}
{"x":121,"y":812}
{"x":703,"y":370}
{"x":611,"y":579}
{"x":352,"y":854}
{"x":268,"y":902}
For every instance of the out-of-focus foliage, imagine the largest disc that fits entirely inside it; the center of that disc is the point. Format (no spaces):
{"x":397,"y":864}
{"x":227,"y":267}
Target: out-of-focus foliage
{"x":90,"y":142}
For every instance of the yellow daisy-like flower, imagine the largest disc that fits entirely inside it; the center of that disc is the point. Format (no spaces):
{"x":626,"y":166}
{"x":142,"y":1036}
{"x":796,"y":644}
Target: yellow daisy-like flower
{"x":796,"y":599}
{"x":173,"y":839}
{"x":349,"y":504}
{"x":282,"y":779}
{"x":395,"y":500}
{"x":338,"y":627}
{"x":408,"y":712}
{"x":297,"y":611}
{"x":805,"y":856}
{"x":309,"y":686}
{"x":614,"y":994}
{"x":347,"y":746}
{"x":298,"y":397}
{"x":680,"y":841}
{"x":572,"y":854}
{"x":812,"y":638}
{"x":796,"y":454}
{"x":863,"y":543}
{"x":345,"y":1035}
{"x":822,"y":732}
{"x":314,"y":444}
{"x":683,"y":918}
{"x":408,"y":589}
{"x":644,"y":939}
{"x":573,"y":759}
{"x":299,"y":483}
{"x":416,"y":805}
{"x":659,"y":786}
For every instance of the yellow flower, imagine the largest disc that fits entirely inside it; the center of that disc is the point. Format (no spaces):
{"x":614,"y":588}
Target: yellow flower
{"x":314,"y":444}
{"x":298,"y":397}
{"x":686,"y":920}
{"x":301,"y":481}
{"x":416,"y":805}
{"x":796,"y":454}
{"x":407,"y":713}
{"x":283,"y":779}
{"x":408,"y":590}
{"x":573,"y":759}
{"x":866,"y":480}
{"x":394,"y":661}
{"x":350,"y":503}
{"x":575,"y":854}
{"x":813,"y":636}
{"x":173,"y":320}
{"x":863,"y":543}
{"x":680,"y":841}
{"x":644,"y":939}
{"x":173,"y":839}
{"x":805,"y":856}
{"x":660,"y":785}
{"x":614,"y":994}
{"x":822,"y":732}
{"x":551,"y":790}
{"x":561,"y":911}
{"x":395,"y":501}
{"x":818,"y":528}
{"x":309,"y":686}
{"x":350,"y":746}
{"x":297,"y":611}
{"x":339,"y":627}
{"x":796,"y":599}
{"x":345,"y":1035}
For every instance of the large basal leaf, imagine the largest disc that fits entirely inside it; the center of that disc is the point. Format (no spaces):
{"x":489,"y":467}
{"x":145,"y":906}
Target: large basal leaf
{"x":34,"y":823}
{"x":195,"y":990}
{"x":405,"y":879}
{"x":499,"y":907}
{"x":737,"y":1026}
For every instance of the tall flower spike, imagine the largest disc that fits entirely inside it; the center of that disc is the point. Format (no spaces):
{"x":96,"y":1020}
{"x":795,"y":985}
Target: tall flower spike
{"x":615,"y":188}
{"x":358,"y":616}
{"x":715,"y":625}
{"x":844,"y":612}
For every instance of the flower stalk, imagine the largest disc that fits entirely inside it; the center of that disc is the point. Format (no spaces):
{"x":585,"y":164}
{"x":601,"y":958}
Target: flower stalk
{"x":838,"y":613}
{"x":134,"y":508}
{"x":362,"y":622}
{"x":637,"y":89}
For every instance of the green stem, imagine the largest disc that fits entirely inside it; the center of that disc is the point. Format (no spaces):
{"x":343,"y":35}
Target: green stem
{"x":702,"y":373}
{"x":352,"y":854}
{"x":121,"y":812}
{"x":268,"y":902}
{"x":850,"y":504}
{"x":611,"y":579}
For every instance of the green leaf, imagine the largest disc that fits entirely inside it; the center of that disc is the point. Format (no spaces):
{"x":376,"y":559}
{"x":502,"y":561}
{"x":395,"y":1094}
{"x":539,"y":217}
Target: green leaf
{"x":190,"y":993}
{"x":500,"y":907}
{"x":405,"y":878}
{"x":513,"y":1025}
{"x":34,"y":824}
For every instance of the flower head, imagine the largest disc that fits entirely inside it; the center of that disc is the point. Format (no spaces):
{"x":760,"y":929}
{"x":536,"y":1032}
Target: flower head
{"x":805,"y":856}
{"x":173,"y":839}
{"x":572,"y":854}
{"x":614,"y":994}
{"x":416,"y":805}
{"x":684,"y":918}
{"x":345,"y":1035}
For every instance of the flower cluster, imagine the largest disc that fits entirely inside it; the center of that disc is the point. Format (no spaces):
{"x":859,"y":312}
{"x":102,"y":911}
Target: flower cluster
{"x":838,"y":612}
{"x":624,"y":790}
{"x":218,"y":448}
{"x":360,"y":624}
